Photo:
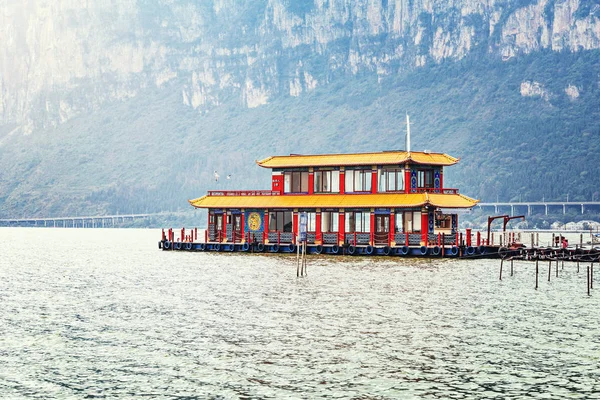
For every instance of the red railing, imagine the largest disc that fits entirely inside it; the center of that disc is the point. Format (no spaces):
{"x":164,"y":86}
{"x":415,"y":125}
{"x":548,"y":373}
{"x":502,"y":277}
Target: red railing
{"x":438,"y":190}
{"x":243,"y":193}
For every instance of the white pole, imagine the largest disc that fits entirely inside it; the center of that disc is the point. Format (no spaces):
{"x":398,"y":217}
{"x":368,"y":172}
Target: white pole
{"x":407,"y":133}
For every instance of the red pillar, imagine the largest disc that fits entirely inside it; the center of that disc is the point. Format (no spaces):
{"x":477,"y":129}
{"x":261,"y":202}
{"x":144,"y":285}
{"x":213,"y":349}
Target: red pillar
{"x":243,"y":232}
{"x":311,"y":183}
{"x":407,"y":180}
{"x":424,"y":227}
{"x":374,"y":181}
{"x":295,"y":224}
{"x":441,"y":180}
{"x":266,"y":224}
{"x":318,"y":233}
{"x":341,"y":227}
{"x":392,"y":226}
{"x":342,"y":182}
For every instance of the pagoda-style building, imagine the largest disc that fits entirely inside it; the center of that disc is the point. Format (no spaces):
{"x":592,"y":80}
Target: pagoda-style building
{"x":372,"y":201}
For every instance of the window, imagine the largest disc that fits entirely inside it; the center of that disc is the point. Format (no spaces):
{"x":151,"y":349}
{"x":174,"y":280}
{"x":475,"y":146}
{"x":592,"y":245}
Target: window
{"x":398,"y":225}
{"x":391,"y":180}
{"x":329,"y":221}
{"x":358,"y":180}
{"x":443,"y":221}
{"x":359,"y":222}
{"x":295,"y":182}
{"x":412,"y":221}
{"x":327,"y":181}
{"x":425,"y":179}
{"x":280,"y":221}
{"x":311,"y":221}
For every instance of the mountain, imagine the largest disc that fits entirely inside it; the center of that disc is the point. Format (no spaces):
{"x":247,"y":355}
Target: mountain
{"x":131,"y":106}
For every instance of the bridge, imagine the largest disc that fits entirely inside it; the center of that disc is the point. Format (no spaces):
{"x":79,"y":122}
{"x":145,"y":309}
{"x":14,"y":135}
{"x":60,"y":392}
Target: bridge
{"x":103,"y":221}
{"x":547,"y":206}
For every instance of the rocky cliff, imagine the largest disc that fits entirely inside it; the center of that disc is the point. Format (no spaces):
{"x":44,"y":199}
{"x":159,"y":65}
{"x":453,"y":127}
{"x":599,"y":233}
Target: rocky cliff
{"x":63,"y":59}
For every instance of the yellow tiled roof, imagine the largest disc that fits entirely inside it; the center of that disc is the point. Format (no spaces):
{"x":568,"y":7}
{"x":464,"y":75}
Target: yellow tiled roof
{"x":381,"y":158}
{"x":400,"y":200}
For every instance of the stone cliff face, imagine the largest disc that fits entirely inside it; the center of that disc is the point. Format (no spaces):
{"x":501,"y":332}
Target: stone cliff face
{"x":61,"y":59}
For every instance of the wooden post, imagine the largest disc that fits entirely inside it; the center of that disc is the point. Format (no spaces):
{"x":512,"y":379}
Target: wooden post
{"x":501,"y":262}
{"x":549,"y":269}
{"x":537,"y":239}
{"x":443,"y":244}
{"x":588,"y":280}
{"x":298,"y":258}
{"x":537,"y":272}
{"x":511,"y":267}
{"x":557,"y":266}
{"x":592,"y":276}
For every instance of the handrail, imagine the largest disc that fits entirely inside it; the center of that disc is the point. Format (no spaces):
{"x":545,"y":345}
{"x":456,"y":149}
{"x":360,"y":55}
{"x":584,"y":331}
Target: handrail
{"x":438,"y":190}
{"x":243,"y":193}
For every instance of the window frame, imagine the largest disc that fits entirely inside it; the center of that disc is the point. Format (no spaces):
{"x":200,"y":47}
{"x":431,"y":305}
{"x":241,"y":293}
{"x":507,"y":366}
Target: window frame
{"x":293,"y":180}
{"x":363,"y":221}
{"x":279,"y":216}
{"x":365,"y":180}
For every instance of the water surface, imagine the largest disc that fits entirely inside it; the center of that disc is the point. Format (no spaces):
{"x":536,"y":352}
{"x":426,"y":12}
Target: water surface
{"x":102,"y":313}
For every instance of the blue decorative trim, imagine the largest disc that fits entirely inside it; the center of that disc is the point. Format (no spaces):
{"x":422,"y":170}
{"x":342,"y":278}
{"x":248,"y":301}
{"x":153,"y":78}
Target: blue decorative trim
{"x":413,"y":181}
{"x":454,"y":223}
{"x":430,"y":220}
{"x":436,"y":180}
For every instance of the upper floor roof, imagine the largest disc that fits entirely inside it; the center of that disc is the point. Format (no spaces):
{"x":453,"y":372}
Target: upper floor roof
{"x":358,"y":159}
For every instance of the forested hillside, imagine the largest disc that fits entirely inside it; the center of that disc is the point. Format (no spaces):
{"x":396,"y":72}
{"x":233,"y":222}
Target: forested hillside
{"x":511,"y":87}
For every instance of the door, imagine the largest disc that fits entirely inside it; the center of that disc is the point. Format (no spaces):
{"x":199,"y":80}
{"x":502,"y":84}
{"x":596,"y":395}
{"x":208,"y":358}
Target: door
{"x":382,"y":229}
{"x":219,"y":234}
{"x":237,"y":228}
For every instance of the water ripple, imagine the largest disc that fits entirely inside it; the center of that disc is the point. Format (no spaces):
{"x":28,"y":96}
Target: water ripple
{"x":104,"y":314}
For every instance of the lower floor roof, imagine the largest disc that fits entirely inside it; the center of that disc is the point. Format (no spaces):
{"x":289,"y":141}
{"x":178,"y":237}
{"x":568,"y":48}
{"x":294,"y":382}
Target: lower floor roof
{"x":377,"y":200}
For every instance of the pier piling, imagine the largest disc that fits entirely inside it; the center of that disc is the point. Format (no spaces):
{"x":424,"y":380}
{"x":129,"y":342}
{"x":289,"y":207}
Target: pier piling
{"x":537,"y":273}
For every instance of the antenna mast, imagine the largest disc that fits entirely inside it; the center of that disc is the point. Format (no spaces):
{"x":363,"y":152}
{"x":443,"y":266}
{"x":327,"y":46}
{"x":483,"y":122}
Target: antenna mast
{"x":407,"y":133}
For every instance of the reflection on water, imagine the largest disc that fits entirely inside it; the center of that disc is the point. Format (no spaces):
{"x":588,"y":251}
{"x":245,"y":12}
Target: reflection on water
{"x":104,"y":313}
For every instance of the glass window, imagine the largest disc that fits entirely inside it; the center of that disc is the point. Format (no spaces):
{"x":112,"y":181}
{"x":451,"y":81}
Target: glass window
{"x":357,"y":221}
{"x":358,"y":180}
{"x":417,"y":221}
{"x":287,"y":182}
{"x":327,"y":181}
{"x":412,"y":221}
{"x":295,"y":182}
{"x":329,"y":221}
{"x":280,"y":221}
{"x":391,"y":180}
{"x":398,"y":226}
{"x":425,"y":179}
{"x":311,"y":222}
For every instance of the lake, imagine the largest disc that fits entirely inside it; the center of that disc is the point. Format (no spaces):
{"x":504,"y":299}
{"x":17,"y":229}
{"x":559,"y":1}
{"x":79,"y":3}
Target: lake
{"x":103,"y":313}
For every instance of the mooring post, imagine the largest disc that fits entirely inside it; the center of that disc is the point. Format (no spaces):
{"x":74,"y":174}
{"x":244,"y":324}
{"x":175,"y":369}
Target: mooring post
{"x":592,"y":276}
{"x":501,"y":262}
{"x":537,"y":273}
{"x":537,"y":239}
{"x":511,"y":267}
{"x":577,"y":264}
{"x":549,"y":269}
{"x":581,"y":239}
{"x":552,"y":244}
{"x":443,"y":244}
{"x":557,"y":266}
{"x":588,"y":280}
{"x":532,"y":240}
